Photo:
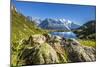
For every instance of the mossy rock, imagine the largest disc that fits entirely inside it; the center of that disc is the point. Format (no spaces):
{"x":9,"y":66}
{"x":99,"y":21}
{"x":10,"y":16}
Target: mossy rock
{"x":40,"y":54}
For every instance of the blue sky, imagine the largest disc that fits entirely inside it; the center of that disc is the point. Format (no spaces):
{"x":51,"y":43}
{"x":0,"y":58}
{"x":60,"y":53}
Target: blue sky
{"x":76,"y":13}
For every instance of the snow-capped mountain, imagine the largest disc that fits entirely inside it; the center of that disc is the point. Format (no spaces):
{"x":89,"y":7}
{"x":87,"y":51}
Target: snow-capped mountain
{"x":58,"y":24}
{"x":37,"y":21}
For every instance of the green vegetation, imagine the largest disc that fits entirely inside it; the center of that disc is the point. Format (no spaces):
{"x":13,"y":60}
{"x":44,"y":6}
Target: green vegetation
{"x":21,"y":29}
{"x":87,"y":33}
{"x":87,"y":30}
{"x":28,"y":48}
{"x":91,"y":43}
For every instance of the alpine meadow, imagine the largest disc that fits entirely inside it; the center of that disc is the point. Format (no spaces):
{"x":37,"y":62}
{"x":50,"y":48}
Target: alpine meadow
{"x":52,"y":33}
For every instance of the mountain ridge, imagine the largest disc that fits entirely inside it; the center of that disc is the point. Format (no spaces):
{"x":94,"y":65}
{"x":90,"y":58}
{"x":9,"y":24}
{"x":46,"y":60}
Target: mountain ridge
{"x":58,"y":24}
{"x":87,"y":30}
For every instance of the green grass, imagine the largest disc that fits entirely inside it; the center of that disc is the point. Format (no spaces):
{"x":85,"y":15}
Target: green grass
{"x":91,"y":43}
{"x":21,"y":28}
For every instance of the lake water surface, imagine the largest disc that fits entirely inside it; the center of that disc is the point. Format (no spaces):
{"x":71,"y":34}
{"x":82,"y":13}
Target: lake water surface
{"x":64,"y":34}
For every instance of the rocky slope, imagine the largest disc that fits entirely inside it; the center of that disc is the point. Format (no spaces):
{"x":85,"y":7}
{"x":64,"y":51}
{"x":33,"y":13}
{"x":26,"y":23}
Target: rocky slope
{"x":87,"y":30}
{"x":21,"y":28}
{"x":39,"y":49}
{"x":78,"y":53}
{"x":31,"y":45}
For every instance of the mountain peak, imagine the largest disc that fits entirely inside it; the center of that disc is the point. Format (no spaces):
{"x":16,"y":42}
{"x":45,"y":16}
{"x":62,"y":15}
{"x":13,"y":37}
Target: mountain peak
{"x":58,"y":24}
{"x":62,"y":20}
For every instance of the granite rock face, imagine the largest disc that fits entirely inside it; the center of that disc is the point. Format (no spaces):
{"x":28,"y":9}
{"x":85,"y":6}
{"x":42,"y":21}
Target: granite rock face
{"x":38,"y":52}
{"x":46,"y":49}
{"x":79,"y":53}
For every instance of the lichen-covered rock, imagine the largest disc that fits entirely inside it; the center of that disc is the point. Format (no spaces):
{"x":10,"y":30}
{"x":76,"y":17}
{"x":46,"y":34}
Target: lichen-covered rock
{"x":38,"y":38}
{"x":38,"y":52}
{"x":91,"y":52}
{"x":60,"y":52}
{"x":55,"y":42}
{"x":45,"y":49}
{"x":79,"y":53}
